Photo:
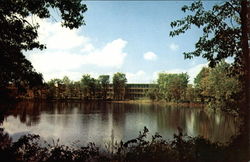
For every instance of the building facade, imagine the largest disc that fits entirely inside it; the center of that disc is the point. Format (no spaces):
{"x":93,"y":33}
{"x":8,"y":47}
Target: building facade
{"x":132,"y":91}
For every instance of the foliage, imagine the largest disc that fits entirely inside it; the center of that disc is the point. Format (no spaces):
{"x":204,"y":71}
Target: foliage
{"x":225,"y":35}
{"x":219,"y":25}
{"x":18,"y":35}
{"x":153,"y":92}
{"x":119,"y":84}
{"x":52,"y":88}
{"x":89,"y":86}
{"x":104,"y":81}
{"x":172,"y":87}
{"x":85,"y":82}
{"x":191,"y":94}
{"x":181,"y":149}
{"x":201,"y":84}
{"x":218,"y":88}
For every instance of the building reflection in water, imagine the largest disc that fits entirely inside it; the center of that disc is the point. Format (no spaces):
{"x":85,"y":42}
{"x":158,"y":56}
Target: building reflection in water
{"x":101,"y":122}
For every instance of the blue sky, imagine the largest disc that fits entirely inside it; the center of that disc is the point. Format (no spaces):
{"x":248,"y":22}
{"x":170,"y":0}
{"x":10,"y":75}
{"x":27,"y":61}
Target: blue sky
{"x":120,"y":36}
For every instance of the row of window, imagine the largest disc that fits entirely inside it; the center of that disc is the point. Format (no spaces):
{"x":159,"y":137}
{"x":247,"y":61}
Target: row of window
{"x":138,"y":85}
{"x":136,"y":95}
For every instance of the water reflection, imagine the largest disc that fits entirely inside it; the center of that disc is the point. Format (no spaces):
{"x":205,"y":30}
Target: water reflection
{"x":98,"y":122}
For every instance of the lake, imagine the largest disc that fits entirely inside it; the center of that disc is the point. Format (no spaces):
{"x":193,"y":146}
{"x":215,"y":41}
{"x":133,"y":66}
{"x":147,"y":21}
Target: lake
{"x":102,"y":122}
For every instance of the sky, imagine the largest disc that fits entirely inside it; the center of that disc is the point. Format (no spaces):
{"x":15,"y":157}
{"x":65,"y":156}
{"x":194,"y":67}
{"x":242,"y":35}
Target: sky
{"x":131,"y":37}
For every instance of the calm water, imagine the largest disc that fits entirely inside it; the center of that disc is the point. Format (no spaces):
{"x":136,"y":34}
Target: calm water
{"x":98,"y":122}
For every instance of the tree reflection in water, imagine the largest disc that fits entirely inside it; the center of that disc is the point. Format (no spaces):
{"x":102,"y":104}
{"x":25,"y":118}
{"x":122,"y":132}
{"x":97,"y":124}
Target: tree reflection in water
{"x":95,"y":121}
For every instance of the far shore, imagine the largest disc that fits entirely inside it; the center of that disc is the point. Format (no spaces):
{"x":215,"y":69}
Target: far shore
{"x":139,"y":101}
{"x":161,"y":102}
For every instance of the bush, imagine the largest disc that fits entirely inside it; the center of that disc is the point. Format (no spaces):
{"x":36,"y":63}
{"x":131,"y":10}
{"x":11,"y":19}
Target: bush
{"x":181,"y":149}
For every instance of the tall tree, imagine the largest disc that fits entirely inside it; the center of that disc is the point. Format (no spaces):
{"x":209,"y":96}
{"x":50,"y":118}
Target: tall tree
{"x":18,"y":35}
{"x":104,"y":81}
{"x":225,"y":34}
{"x":54,"y":87}
{"x":153,"y":92}
{"x":119,"y":84}
{"x":201,"y":84}
{"x":217,"y":87}
{"x":191,"y":94}
{"x":172,"y":86}
{"x":85,"y":85}
{"x":94,"y":86}
{"x":67,"y":83}
{"x":90,"y":86}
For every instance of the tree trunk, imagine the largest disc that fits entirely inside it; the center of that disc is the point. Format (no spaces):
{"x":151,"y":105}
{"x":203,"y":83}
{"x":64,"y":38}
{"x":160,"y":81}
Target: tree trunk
{"x":245,"y":49}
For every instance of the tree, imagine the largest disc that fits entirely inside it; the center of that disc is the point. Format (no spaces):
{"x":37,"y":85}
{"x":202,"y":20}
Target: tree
{"x":104,"y":81}
{"x":85,"y":85}
{"x":201,"y":84}
{"x":119,"y":84}
{"x":191,"y":94}
{"x":94,"y":87}
{"x":68,"y":85}
{"x":89,"y":86}
{"x":18,"y":35}
{"x":172,"y":86}
{"x":228,"y":23}
{"x":218,"y":88}
{"x":225,"y":89}
{"x":54,"y":89}
{"x":223,"y":23}
{"x":153,"y":92}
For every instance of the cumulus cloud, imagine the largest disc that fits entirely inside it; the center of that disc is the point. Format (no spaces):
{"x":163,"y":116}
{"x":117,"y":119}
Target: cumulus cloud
{"x":68,"y":50}
{"x":174,"y":47}
{"x":73,"y":75}
{"x":139,"y":77}
{"x":150,"y":56}
{"x":57,"y":37}
{"x":111,"y":55}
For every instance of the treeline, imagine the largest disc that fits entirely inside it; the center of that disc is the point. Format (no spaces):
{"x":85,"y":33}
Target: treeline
{"x":88,"y":88}
{"x":215,"y":87}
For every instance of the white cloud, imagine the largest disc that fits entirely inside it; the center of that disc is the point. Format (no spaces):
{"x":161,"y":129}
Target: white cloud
{"x":87,"y":48}
{"x":150,"y":56}
{"x":73,"y":75}
{"x":55,"y":61}
{"x":47,"y":62}
{"x":111,"y":55}
{"x":138,"y":77}
{"x":68,"y":51}
{"x":174,"y":47}
{"x":57,"y":37}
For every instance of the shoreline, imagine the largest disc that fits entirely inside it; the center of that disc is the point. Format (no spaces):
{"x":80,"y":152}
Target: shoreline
{"x":143,"y":101}
{"x":159,"y":103}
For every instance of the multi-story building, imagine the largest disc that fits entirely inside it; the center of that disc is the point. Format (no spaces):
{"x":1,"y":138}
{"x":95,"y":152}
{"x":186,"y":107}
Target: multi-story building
{"x":132,"y":91}
{"x":136,"y":91}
